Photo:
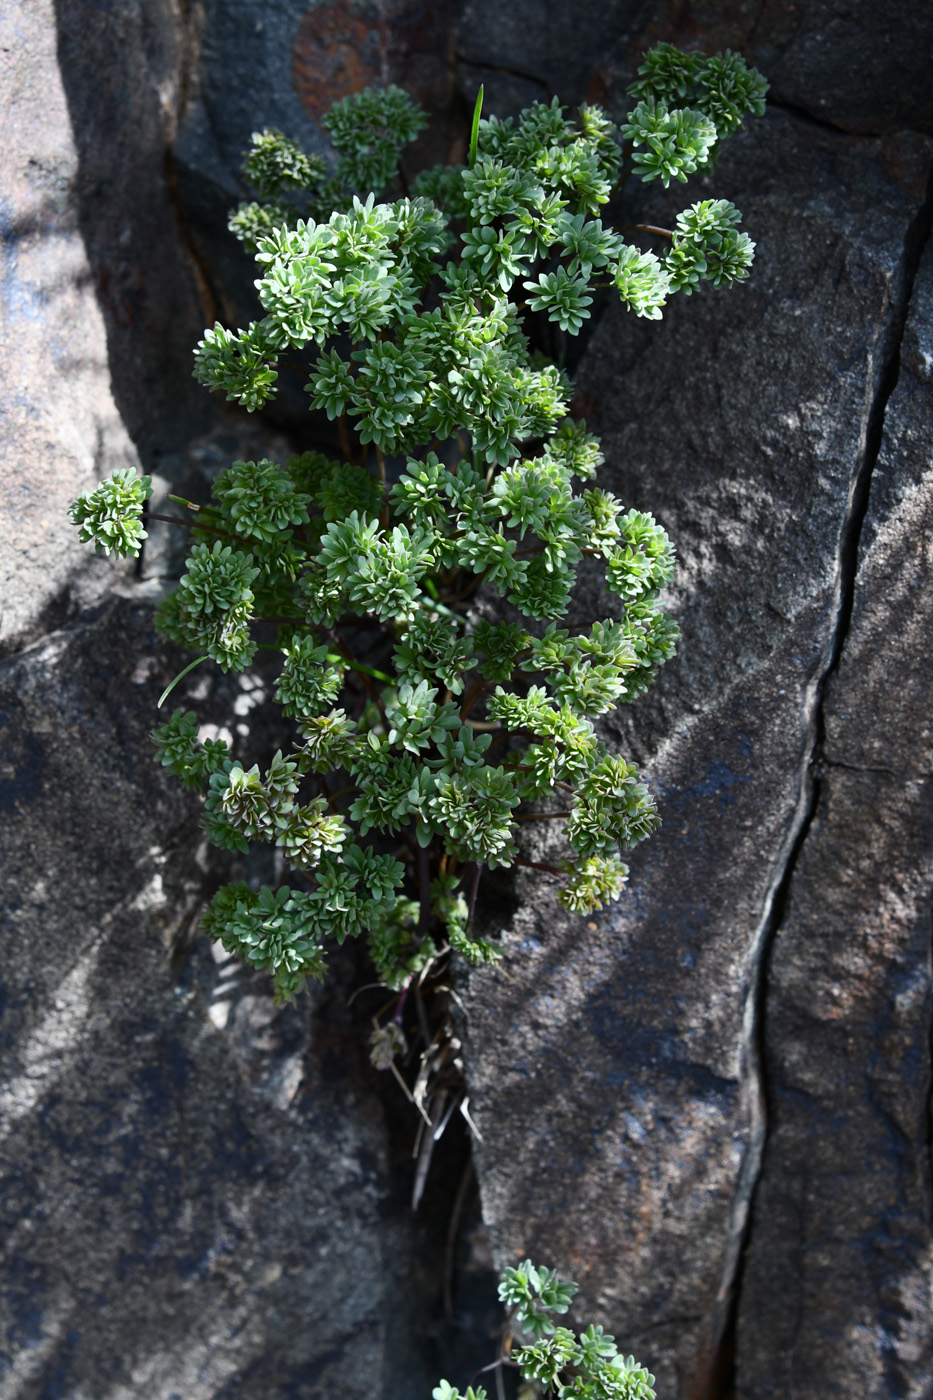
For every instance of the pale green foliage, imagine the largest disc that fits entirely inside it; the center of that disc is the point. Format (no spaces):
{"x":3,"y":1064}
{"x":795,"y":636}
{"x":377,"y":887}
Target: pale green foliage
{"x":707,"y":246}
{"x":566,"y":1365}
{"x":110,"y":514}
{"x":721,"y":88}
{"x":414,"y":755}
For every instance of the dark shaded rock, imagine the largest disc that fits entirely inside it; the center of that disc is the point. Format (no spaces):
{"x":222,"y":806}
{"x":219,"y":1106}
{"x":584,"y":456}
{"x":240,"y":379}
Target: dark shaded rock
{"x":200,"y":1192}
{"x":203,"y":1195}
{"x":125,"y":70}
{"x":166,"y":1230}
{"x":615,"y":1075}
{"x":836,"y":1285}
{"x":862,"y":67}
{"x":285,"y":69}
{"x":531,"y":52}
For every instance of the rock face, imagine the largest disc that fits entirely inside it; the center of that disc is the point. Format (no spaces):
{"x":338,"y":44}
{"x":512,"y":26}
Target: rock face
{"x":710,"y":1105}
{"x":202,"y":1195}
{"x":165,"y":1230}
{"x":843,"y":1203}
{"x":745,"y":1039}
{"x":55,"y":403}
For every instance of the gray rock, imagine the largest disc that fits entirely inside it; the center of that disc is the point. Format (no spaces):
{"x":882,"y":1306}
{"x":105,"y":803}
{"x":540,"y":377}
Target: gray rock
{"x":166,"y":1229}
{"x":125,"y":69}
{"x":60,"y":427}
{"x":615,"y":1072}
{"x":202,"y":1194}
{"x":860,"y":67}
{"x":836,"y":1284}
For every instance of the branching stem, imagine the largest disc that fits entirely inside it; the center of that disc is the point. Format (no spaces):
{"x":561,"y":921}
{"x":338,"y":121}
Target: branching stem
{"x":195,"y":525}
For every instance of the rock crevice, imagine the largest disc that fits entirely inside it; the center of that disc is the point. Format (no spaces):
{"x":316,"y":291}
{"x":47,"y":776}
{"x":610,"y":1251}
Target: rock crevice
{"x":777,"y":898}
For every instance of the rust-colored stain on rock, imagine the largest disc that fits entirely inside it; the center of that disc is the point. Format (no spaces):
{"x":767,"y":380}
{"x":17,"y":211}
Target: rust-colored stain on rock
{"x":335,"y":53}
{"x":342,"y":47}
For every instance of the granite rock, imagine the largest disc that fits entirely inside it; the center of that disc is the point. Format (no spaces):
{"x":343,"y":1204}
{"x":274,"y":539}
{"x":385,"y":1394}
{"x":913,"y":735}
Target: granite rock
{"x":709,"y":1104}
{"x":836,"y":1283}
{"x":60,"y":427}
{"x":203,"y":1194}
{"x":859,"y":67}
{"x":167,"y":1229}
{"x":616,"y":1073}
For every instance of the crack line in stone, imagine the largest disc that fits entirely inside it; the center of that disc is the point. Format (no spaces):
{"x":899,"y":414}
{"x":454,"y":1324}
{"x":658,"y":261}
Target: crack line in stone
{"x":505,"y":68}
{"x":803,"y":114}
{"x":926,"y":1165}
{"x":776,"y":903}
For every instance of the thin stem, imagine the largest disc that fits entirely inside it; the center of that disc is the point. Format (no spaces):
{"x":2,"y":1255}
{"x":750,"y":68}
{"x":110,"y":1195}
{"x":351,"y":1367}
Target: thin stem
{"x":474,"y":889}
{"x":424,"y":888}
{"x":422,"y":1016}
{"x":646,"y":228}
{"x":472,"y":695}
{"x":539,"y":865}
{"x":194,"y":525}
{"x":474,"y":127}
{"x":627,"y":150}
{"x":325,"y":793}
{"x":345,"y":438}
{"x":543,"y":816}
{"x":181,"y":675}
{"x":362,"y":671}
{"x":384,"y":513}
{"x":453,"y":1230}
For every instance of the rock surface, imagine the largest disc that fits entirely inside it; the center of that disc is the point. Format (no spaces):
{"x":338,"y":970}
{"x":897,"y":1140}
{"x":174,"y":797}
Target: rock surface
{"x":628,"y":1123}
{"x":709,"y":1105}
{"x":59,"y":422}
{"x":844,"y":1201}
{"x":166,"y":1231}
{"x":202,"y":1194}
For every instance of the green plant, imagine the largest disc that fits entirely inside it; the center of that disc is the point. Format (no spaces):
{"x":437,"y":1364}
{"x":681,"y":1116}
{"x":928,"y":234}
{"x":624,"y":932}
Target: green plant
{"x":559,"y":1362}
{"x":426,"y":713}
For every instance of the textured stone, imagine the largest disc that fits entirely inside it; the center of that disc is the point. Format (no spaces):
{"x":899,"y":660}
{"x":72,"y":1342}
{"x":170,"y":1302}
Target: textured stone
{"x":861,"y":66}
{"x":285,"y":69}
{"x":614,"y":1074}
{"x":836,"y":1285}
{"x":125,"y":71}
{"x":59,"y":427}
{"x":202,"y":1197}
{"x":203,"y":1194}
{"x":166,"y":1230}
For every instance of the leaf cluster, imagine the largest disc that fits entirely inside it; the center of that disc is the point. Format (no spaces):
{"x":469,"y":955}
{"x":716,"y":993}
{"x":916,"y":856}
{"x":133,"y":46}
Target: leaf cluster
{"x":566,"y":1365}
{"x":421,"y":724}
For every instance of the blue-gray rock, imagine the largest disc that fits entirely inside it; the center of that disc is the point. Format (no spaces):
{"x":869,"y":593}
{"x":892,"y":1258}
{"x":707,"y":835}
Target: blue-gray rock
{"x":708,"y":1105}
{"x":616,"y":1073}
{"x":173,"y":1222}
{"x":836,"y":1283}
